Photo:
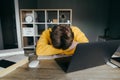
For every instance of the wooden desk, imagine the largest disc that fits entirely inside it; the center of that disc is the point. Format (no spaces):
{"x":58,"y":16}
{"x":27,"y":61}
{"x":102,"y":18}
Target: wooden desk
{"x":49,"y":70}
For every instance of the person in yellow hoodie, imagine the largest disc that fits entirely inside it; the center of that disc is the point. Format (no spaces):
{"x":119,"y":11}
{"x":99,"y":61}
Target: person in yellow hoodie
{"x":61,"y":39}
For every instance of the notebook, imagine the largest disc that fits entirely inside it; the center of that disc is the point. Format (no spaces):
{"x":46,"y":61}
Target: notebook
{"x":88,"y":55}
{"x":115,"y":61}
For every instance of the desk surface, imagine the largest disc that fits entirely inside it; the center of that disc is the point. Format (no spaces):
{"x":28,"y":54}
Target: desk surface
{"x":49,"y":70}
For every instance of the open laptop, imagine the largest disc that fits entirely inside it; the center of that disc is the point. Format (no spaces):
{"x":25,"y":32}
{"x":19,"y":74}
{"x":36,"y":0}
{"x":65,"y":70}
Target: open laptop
{"x":89,"y":55}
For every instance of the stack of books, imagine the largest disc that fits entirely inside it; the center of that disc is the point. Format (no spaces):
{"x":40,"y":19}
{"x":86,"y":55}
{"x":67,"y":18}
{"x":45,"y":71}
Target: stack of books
{"x":116,"y":59}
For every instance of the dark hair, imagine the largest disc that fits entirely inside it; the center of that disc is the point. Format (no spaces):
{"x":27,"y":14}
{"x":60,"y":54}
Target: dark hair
{"x":61,"y":36}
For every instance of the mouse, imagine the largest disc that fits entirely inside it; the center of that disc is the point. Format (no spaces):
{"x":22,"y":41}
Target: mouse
{"x":34,"y":64}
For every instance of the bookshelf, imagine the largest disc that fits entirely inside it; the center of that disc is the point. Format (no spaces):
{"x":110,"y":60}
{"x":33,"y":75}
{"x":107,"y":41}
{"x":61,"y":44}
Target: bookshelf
{"x":35,"y":21}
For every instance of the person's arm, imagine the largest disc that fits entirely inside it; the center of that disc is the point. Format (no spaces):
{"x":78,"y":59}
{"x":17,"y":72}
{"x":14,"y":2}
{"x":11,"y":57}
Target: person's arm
{"x":44,"y":47}
{"x":79,"y":37}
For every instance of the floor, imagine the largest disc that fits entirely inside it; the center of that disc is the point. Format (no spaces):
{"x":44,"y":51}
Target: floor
{"x":49,"y":70}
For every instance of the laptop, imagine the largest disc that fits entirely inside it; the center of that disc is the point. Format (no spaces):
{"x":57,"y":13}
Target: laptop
{"x":88,"y":55}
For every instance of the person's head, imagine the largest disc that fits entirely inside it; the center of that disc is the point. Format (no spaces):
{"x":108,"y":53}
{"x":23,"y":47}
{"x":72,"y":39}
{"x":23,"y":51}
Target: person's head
{"x":61,"y":36}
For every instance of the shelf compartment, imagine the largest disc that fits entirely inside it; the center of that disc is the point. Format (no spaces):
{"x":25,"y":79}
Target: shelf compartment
{"x":64,"y":17}
{"x":25,"y":14}
{"x":28,"y":41}
{"x":39,"y":28}
{"x":36,"y":39}
{"x":51,"y":25}
{"x":52,"y":16}
{"x":39,"y":16}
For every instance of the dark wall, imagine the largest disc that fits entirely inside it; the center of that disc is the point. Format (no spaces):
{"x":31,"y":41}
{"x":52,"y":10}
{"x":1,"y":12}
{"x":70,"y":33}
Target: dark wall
{"x":89,"y":15}
{"x":27,"y":4}
{"x":114,"y":19}
{"x":92,"y":16}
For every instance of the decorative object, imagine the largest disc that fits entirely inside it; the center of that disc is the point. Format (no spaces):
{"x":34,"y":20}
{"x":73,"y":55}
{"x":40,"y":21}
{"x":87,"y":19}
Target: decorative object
{"x":62,"y":17}
{"x":28,"y":19}
{"x":55,"y":20}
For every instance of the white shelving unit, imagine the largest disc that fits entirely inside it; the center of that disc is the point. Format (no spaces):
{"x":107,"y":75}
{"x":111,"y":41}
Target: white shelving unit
{"x":35,"y":21}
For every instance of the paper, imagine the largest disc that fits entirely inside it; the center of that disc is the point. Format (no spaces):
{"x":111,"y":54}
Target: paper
{"x":28,"y":32}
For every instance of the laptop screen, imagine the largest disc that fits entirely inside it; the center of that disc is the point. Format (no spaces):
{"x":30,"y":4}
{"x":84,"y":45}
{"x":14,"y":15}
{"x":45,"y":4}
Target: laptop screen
{"x":91,"y":54}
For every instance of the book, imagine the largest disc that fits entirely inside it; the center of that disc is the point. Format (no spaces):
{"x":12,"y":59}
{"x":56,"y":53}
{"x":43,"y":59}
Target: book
{"x":11,"y":52}
{"x":28,"y":31}
{"x":115,"y":61}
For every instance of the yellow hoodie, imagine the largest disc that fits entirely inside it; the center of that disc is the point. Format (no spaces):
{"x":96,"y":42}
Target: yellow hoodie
{"x":44,"y":46}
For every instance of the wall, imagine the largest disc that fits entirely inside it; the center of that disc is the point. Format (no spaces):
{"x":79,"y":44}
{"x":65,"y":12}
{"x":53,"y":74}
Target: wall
{"x":27,"y":4}
{"x":114,"y":20}
{"x":1,"y":37}
{"x":89,"y":15}
{"x":92,"y":17}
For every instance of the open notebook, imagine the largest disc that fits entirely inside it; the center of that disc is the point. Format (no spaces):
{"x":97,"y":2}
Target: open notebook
{"x":10,"y":63}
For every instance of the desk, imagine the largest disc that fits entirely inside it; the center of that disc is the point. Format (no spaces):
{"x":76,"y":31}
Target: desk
{"x":49,"y":70}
